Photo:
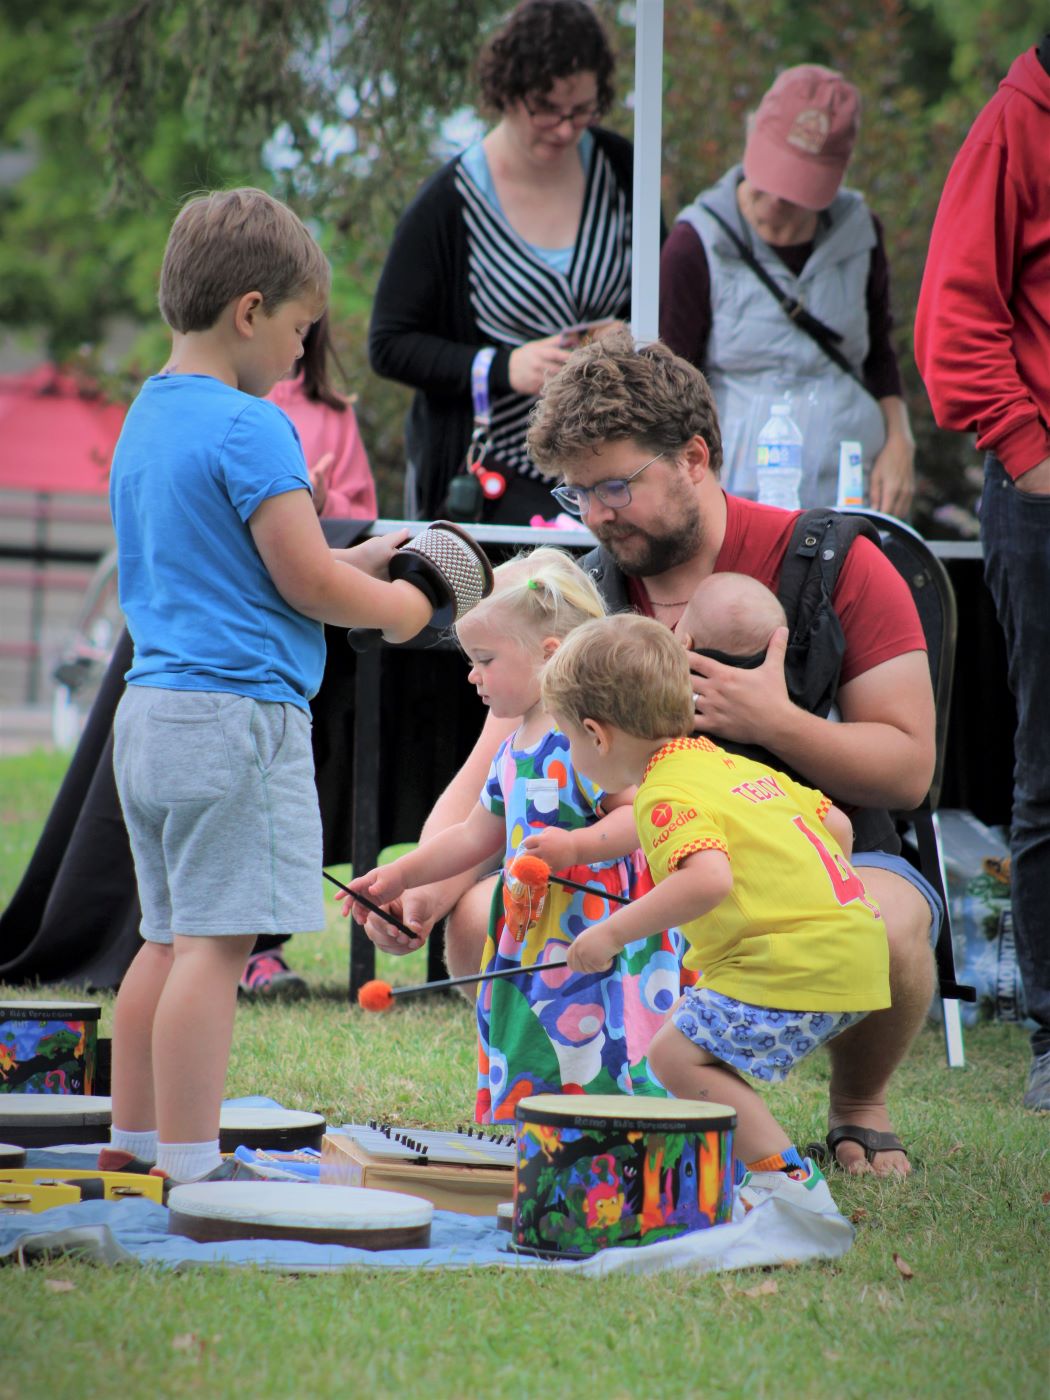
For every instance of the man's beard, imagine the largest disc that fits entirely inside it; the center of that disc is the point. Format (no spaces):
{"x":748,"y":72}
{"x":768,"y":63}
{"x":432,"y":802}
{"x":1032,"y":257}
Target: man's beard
{"x":642,"y":555}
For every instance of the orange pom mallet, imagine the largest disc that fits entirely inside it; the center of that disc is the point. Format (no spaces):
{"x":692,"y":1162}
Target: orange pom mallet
{"x":376,"y":996}
{"x":525,"y":884}
{"x":379,"y":996}
{"x":529,"y":877}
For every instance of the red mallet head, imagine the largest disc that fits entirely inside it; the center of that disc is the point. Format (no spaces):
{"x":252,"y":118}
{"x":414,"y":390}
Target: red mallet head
{"x":375,"y":996}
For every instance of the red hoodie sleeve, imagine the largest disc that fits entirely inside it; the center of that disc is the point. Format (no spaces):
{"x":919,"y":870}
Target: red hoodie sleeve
{"x":964,"y":328}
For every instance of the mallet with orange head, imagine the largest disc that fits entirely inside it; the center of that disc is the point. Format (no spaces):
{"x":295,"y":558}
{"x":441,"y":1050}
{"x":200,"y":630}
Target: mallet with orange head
{"x":525,"y":884}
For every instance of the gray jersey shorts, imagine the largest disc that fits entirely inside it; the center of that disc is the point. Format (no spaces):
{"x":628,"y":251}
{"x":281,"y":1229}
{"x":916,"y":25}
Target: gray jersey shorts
{"x":220,"y":804}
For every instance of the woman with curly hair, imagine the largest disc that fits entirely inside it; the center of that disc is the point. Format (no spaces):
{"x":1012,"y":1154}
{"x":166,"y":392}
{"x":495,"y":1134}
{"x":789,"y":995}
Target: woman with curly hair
{"x":502,"y":256}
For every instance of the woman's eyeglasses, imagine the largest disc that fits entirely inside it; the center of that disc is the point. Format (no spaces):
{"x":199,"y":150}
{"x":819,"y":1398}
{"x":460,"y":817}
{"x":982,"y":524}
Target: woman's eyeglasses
{"x":546,"y":117}
{"x":614,"y":493}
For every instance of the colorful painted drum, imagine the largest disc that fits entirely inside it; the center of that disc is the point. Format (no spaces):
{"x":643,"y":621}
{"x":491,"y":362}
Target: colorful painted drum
{"x":603,"y":1170}
{"x":48,"y":1047}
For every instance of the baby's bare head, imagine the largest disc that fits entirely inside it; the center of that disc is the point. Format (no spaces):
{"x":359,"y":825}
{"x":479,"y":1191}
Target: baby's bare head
{"x":730,"y":613}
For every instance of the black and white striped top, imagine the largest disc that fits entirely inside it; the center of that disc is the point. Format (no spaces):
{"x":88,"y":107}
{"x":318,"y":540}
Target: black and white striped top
{"x":516,"y":296}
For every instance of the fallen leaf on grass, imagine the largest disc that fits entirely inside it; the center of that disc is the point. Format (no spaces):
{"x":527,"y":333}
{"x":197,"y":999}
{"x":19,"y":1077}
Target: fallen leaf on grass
{"x":768,"y":1285}
{"x":858,"y":1215}
{"x":903,"y":1267}
{"x":188,"y":1341}
{"x":59,"y":1285}
{"x":1046,"y":1198}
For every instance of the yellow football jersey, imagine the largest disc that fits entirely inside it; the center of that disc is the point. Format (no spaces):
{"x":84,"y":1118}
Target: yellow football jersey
{"x":797,"y":930}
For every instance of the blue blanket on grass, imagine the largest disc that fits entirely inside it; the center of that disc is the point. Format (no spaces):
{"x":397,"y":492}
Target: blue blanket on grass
{"x":137,"y":1231}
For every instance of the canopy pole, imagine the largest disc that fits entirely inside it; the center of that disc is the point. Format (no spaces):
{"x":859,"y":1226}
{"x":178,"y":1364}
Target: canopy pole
{"x":648,"y":117}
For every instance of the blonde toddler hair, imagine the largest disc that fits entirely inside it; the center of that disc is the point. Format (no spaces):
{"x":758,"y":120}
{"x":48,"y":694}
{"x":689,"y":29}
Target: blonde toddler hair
{"x":543,"y":593}
{"x":627,"y":671}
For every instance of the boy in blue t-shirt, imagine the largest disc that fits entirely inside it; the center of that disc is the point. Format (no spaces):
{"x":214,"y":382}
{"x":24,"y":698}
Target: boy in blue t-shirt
{"x":225,"y":581}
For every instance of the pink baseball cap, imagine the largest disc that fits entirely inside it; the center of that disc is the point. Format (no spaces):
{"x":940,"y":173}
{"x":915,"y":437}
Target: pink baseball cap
{"x":801,"y":138}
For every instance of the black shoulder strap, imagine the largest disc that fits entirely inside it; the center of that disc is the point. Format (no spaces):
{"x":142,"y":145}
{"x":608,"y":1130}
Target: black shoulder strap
{"x":816,"y":552}
{"x":826,"y":338}
{"x":608,"y":579}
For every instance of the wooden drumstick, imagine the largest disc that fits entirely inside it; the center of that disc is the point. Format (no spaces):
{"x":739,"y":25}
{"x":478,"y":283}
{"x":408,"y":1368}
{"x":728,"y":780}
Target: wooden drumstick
{"x":379,"y":996}
{"x":375,"y":908}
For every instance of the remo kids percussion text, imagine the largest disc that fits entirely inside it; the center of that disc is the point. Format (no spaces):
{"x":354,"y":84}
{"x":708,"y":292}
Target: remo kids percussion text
{"x":48,"y":1047}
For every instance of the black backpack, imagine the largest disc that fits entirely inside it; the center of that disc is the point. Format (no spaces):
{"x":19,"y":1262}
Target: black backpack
{"x":812,"y":563}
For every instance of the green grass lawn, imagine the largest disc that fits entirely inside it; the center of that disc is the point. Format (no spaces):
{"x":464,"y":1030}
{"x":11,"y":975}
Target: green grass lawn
{"x":971,"y":1226}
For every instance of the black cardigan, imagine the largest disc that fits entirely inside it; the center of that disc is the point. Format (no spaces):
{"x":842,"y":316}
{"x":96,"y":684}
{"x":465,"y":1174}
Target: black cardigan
{"x":423,"y":331}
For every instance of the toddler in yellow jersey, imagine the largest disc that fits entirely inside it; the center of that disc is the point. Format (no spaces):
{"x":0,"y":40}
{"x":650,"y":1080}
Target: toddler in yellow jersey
{"x":750,"y":864}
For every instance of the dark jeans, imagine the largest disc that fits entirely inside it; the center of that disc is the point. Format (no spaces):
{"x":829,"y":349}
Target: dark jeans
{"x":1015,"y":531}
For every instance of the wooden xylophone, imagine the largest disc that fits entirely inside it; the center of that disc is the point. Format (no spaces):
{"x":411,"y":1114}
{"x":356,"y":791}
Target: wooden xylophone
{"x":468,"y":1170}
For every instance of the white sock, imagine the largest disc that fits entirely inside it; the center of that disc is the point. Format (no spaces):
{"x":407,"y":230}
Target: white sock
{"x":141,"y":1145}
{"x":188,"y":1161}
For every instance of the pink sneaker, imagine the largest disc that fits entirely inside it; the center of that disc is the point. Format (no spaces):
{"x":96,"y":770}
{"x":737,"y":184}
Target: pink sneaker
{"x":268,"y":975}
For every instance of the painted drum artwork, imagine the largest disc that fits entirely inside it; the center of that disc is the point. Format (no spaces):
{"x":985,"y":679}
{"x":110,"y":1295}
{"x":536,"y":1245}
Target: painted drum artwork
{"x":48,"y":1047}
{"x":603,"y":1170}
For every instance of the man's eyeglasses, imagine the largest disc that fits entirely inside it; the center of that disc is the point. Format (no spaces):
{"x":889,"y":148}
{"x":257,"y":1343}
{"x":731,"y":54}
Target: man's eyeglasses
{"x":614,"y":493}
{"x":546,"y":117}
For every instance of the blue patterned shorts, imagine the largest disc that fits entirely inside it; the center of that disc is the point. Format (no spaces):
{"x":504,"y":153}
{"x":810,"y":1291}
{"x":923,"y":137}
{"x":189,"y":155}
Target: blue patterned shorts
{"x":757,"y":1040}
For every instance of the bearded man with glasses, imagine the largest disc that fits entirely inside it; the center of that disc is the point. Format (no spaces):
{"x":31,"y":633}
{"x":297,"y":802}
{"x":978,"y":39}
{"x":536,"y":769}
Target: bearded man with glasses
{"x":633,"y":434}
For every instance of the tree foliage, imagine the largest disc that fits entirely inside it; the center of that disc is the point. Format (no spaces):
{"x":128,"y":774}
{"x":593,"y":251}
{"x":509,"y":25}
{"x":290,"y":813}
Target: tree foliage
{"x":342,"y":107}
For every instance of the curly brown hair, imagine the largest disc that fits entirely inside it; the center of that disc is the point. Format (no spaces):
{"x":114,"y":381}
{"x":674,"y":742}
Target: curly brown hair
{"x":542,"y":41}
{"x":612,"y":391}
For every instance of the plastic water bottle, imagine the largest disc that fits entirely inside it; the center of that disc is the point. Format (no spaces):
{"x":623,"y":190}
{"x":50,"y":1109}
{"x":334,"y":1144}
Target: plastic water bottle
{"x":779,"y":462}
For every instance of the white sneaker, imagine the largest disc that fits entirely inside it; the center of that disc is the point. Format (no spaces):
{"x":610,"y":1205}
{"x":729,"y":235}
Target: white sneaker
{"x":810,"y":1194}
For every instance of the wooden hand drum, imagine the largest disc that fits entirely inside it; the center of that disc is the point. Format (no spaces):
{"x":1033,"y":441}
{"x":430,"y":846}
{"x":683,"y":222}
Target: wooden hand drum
{"x":283,"y":1129}
{"x":43,"y":1120}
{"x":355,"y":1216}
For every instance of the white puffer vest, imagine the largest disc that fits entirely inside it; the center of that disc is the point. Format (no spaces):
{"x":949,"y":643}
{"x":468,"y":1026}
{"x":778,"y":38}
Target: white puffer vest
{"x":756,"y":355}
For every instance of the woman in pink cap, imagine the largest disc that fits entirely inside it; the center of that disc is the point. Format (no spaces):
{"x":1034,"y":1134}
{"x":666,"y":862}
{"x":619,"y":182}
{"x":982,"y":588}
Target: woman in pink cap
{"x":775,"y":283}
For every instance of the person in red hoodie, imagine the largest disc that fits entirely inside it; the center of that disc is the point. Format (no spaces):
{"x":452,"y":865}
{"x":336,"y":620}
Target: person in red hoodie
{"x":982,"y":345}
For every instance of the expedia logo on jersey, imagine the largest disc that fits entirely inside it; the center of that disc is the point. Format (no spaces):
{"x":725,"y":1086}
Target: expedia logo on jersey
{"x":664,"y":816}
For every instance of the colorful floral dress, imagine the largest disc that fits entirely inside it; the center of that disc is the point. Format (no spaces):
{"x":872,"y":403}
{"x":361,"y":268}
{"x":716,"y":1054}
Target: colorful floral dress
{"x":559,"y":1031}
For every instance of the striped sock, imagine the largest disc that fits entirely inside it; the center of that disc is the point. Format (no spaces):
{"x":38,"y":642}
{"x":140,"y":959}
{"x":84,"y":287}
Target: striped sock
{"x":789,"y":1161}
